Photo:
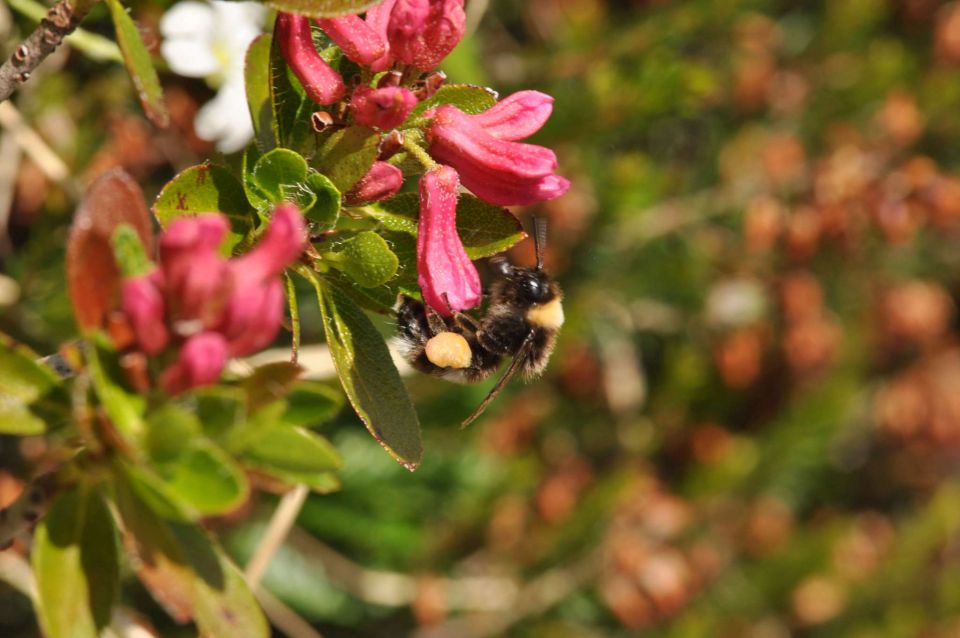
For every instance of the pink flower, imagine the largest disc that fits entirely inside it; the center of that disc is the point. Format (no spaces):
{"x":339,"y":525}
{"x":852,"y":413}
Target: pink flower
{"x":255,"y":310}
{"x":383,"y":180}
{"x":357,"y":39}
{"x":210,"y":307}
{"x":281,"y":244}
{"x":516,"y":116}
{"x":423,"y":32}
{"x":378,"y":18}
{"x":194,"y":273}
{"x":384,"y":108}
{"x":447,"y":278}
{"x":201,"y":361}
{"x":322,"y":84}
{"x":497,"y":169}
{"x":142,"y":302}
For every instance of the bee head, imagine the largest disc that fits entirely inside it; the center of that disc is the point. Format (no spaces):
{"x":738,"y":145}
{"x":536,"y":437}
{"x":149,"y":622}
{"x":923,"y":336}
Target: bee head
{"x":532,"y":286}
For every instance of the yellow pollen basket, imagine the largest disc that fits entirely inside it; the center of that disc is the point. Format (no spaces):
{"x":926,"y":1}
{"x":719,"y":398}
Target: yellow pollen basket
{"x":449,"y":350}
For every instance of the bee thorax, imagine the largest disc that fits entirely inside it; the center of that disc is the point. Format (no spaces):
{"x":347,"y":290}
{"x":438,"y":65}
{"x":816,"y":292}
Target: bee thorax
{"x":448,"y":350}
{"x":548,"y":315}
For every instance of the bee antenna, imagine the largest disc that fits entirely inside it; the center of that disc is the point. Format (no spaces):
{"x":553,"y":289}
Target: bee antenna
{"x":539,"y":239}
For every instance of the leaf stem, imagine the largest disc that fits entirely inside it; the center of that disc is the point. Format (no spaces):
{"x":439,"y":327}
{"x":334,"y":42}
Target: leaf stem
{"x":418,"y":152}
{"x":294,"y":318}
{"x":61,"y":20}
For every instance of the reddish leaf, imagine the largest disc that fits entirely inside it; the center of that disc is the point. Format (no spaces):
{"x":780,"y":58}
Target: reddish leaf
{"x":92,"y":275}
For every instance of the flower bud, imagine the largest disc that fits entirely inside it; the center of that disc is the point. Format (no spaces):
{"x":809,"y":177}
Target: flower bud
{"x":448,"y":279}
{"x":357,"y":39}
{"x":142,"y":304}
{"x":499,"y":171}
{"x":322,"y":84}
{"x":383,"y":180}
{"x":196,"y":277}
{"x":423,"y":32}
{"x":201,"y":361}
{"x":383,"y":109}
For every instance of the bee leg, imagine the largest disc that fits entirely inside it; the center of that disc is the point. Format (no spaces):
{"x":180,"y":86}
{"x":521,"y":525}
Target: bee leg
{"x":435,"y":322}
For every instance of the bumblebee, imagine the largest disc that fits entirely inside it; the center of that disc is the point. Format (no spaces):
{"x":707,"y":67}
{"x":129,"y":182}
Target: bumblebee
{"x":522,"y":318}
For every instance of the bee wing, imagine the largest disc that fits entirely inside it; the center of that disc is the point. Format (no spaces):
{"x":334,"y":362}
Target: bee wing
{"x":511,"y":370}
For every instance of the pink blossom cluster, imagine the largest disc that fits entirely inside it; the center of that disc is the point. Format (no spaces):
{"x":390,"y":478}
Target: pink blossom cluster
{"x":208,"y":308}
{"x":483,"y":152}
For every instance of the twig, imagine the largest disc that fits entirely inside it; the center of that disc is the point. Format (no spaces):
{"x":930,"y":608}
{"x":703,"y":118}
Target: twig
{"x":36,"y":148}
{"x":61,"y":19}
{"x":9,"y":167}
{"x":277,"y":530}
{"x":284,"y":618}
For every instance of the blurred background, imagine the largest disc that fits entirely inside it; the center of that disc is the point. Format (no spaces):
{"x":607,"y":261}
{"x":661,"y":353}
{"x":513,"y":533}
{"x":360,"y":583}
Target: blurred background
{"x":751,"y":424}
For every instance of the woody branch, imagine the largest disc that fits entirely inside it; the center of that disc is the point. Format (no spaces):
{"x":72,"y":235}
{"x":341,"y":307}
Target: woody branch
{"x":60,"y":21}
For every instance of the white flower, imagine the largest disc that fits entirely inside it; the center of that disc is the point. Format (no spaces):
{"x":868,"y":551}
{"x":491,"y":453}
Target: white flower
{"x":209,"y":40}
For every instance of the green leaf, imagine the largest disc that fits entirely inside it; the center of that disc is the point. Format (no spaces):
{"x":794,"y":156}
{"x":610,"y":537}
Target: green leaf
{"x":187,"y":573}
{"x":74,"y":560}
{"x":22,"y":379}
{"x":125,"y":409}
{"x":466,"y":97}
{"x":484,"y":229}
{"x":170,"y":428}
{"x":129,"y":253}
{"x":369,"y":376}
{"x":347,"y":155}
{"x":219,"y":409}
{"x":139,"y":66}
{"x":325,"y":212}
{"x":280,"y":176}
{"x":366,"y":258}
{"x":319,"y":482}
{"x":294,"y":450}
{"x":310,"y":403}
{"x":18,"y":420}
{"x":269,"y":383}
{"x":204,"y":189}
{"x":322,"y":8}
{"x":291,"y":107}
{"x":256,"y":75}
{"x":206,"y":478}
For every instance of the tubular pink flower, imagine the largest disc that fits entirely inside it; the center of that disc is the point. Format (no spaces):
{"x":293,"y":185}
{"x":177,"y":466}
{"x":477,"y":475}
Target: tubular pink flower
{"x":253,"y":317}
{"x":322,"y":84}
{"x":499,"y":171}
{"x":423,"y":32}
{"x":447,"y":278}
{"x":141,"y":301}
{"x":255,"y":309}
{"x":384,"y":108}
{"x":194,"y":273}
{"x":201,"y":361}
{"x":383,"y":180}
{"x":516,"y":116}
{"x":378,"y":18}
{"x":356,"y":38}
{"x":279,"y":246}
